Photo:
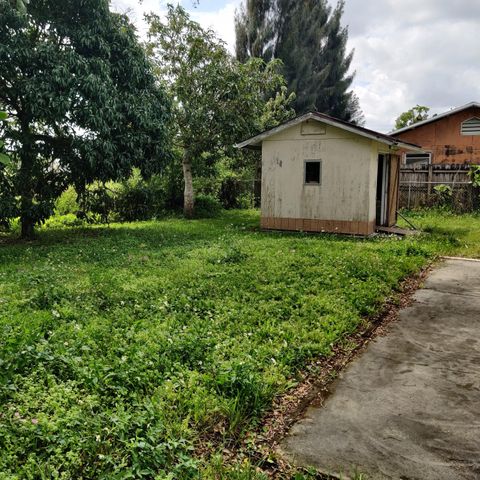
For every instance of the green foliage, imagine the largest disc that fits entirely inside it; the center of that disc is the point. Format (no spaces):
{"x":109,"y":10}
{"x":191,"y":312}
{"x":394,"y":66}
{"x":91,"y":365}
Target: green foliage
{"x":255,"y":30}
{"x":235,"y":192}
{"x":474,"y":174}
{"x":7,"y":172}
{"x":125,"y":348}
{"x":67,"y":202}
{"x":218,"y":101}
{"x":139,"y":199}
{"x":444,"y":194}
{"x":412,"y":116}
{"x":83,"y":100}
{"x":207,"y":206}
{"x":308,"y":37}
{"x":97,"y":200}
{"x":65,"y":220}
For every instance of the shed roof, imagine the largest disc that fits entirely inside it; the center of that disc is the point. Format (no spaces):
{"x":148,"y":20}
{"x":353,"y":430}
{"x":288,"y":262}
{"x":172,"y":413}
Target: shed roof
{"x":437,"y":117}
{"x":256,"y":141}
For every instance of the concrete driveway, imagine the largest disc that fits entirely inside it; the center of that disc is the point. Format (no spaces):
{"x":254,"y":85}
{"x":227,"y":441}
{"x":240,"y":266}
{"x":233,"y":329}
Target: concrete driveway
{"x":409,"y":406}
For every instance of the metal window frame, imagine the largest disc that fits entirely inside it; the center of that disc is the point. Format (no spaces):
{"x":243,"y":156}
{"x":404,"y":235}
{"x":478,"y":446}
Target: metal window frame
{"x":312,"y":160}
{"x":417,"y":154}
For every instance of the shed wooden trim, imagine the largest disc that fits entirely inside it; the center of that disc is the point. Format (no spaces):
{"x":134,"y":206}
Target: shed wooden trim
{"x":320,"y":226}
{"x":256,"y":141}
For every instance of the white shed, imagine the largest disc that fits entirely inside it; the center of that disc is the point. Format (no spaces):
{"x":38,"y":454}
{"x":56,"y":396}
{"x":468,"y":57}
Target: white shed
{"x":321,"y":174}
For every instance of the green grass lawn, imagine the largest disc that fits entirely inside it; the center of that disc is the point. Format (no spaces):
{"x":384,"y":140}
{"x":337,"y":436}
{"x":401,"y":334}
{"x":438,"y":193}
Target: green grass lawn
{"x":123,"y":349}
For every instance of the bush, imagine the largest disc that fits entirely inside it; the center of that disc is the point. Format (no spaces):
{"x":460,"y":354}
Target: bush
{"x":207,"y":206}
{"x":443,"y":195}
{"x":99,"y":202}
{"x":67,"y":220}
{"x":67,"y":202}
{"x":135,"y":202}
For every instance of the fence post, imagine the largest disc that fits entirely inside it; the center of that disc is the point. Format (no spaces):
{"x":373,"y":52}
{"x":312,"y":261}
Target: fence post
{"x":409,"y":190}
{"x":429,"y":180}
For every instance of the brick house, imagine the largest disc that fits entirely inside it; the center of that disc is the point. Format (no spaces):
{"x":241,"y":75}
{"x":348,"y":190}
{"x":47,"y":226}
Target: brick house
{"x":452,"y":137}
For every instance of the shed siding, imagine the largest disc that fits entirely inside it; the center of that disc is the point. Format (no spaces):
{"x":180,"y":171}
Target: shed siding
{"x":444,"y":139}
{"x":348,"y":178}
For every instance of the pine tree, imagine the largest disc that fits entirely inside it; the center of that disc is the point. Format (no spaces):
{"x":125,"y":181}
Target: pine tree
{"x":254,"y":30}
{"x":310,"y":40}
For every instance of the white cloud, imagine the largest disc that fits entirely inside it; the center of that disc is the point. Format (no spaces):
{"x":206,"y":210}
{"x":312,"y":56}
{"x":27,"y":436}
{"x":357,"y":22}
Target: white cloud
{"x":220,"y":21}
{"x":409,"y":52}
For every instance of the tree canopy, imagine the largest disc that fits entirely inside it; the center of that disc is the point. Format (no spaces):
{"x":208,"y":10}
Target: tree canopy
{"x":309,"y":38}
{"x":83,"y":101}
{"x":217,"y":100}
{"x":414,"y":115}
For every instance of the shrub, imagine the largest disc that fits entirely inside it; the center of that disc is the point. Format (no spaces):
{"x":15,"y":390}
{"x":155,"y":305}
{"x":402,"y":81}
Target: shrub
{"x":444,"y":195}
{"x":207,"y":206}
{"x":67,"y":202}
{"x":236,"y":193}
{"x":67,"y":220}
{"x":99,"y":202}
{"x":135,"y":202}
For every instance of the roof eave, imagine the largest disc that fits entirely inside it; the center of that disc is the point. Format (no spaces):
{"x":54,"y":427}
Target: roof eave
{"x":410,"y":147}
{"x":256,"y":141}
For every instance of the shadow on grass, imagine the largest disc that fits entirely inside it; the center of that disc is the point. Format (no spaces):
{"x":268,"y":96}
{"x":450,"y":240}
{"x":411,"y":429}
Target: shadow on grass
{"x":161,"y":234}
{"x":445,"y":231}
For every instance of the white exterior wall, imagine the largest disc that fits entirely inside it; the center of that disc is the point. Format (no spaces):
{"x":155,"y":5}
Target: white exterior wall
{"x":348,"y":175}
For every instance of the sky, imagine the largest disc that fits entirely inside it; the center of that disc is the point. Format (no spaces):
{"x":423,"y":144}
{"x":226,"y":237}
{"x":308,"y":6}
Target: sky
{"x":407,"y":52}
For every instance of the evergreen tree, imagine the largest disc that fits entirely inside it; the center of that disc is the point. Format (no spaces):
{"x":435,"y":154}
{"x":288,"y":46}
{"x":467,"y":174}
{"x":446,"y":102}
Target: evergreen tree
{"x":310,"y":40}
{"x":254,"y":30}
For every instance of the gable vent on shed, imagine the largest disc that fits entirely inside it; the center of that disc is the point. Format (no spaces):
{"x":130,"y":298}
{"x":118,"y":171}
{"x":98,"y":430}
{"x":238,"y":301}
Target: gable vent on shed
{"x":471,"y":126}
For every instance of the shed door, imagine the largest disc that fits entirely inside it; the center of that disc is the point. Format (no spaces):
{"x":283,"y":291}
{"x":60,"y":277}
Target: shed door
{"x":393,"y":189}
{"x":383,"y":178}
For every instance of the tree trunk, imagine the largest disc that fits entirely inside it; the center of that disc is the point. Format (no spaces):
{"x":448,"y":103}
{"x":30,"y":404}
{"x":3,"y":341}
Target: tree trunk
{"x":28,"y":227}
{"x":27,"y":159}
{"x":27,"y":219}
{"x":188,"y":201}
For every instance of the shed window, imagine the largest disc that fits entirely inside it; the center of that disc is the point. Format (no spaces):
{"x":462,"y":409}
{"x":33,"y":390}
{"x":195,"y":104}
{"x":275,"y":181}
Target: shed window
{"x":471,"y":126}
{"x":313,"y":172}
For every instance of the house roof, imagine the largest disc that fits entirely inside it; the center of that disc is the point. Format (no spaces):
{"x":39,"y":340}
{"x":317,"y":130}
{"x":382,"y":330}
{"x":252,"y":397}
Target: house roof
{"x":256,"y":141}
{"x":437,"y":117}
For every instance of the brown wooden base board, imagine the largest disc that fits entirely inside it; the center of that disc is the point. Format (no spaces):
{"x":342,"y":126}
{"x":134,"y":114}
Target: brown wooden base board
{"x":313,"y":225}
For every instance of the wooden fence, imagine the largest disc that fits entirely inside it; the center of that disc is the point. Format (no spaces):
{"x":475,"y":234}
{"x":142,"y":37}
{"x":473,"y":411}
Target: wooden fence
{"x":417,"y":187}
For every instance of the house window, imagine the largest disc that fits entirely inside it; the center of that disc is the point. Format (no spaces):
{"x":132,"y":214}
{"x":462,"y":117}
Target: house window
{"x":471,"y":126}
{"x":313,"y":172}
{"x":417,"y":159}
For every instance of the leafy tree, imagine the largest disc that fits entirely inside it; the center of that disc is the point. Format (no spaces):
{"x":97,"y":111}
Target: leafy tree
{"x":217,"y":100}
{"x":414,"y":115}
{"x":309,"y":38}
{"x":83,"y":101}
